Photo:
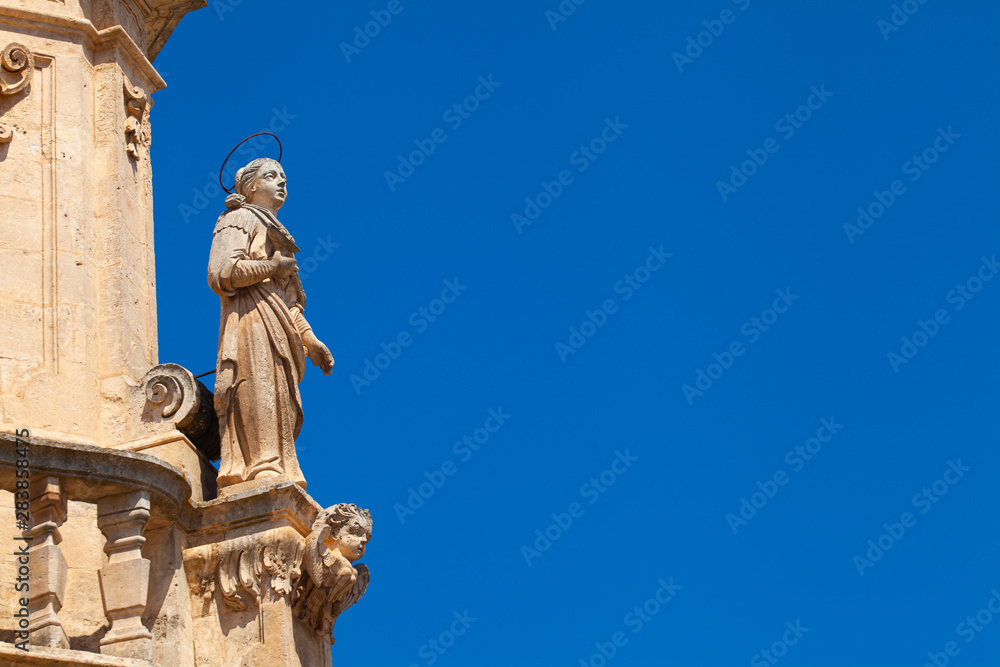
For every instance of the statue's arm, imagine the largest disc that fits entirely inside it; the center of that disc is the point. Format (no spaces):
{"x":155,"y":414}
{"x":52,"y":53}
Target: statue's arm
{"x":317,"y":352}
{"x":246,"y":272}
{"x":230,"y":250}
{"x":301,"y":324}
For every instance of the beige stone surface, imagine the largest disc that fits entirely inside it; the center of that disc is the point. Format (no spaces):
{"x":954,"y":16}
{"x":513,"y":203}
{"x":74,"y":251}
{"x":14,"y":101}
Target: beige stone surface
{"x":77,"y":290}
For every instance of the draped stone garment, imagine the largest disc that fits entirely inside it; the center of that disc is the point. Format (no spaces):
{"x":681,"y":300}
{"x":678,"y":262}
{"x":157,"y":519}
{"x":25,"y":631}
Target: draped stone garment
{"x":261,"y":357}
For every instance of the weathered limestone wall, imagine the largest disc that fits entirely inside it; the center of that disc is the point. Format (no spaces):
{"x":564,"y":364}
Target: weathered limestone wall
{"x":77,"y":289}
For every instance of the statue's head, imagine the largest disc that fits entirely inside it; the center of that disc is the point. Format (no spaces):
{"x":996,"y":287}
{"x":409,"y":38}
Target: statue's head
{"x":350,"y":529}
{"x":263,"y":183}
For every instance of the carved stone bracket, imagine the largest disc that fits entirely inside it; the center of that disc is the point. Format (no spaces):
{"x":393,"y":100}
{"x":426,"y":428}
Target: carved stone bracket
{"x":315,"y":577}
{"x":251,"y":568}
{"x":17,"y":63}
{"x":48,"y":565}
{"x":200,"y":565}
{"x":136,"y":120}
{"x":173,"y":395}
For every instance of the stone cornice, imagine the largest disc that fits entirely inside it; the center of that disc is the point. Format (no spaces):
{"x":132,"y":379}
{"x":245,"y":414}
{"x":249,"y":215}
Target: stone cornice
{"x":97,"y":39}
{"x":164,"y":17}
{"x":90,"y":473}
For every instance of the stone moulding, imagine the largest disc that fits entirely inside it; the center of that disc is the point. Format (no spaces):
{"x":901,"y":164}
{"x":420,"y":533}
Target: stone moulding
{"x":32,"y":21}
{"x":164,"y":20}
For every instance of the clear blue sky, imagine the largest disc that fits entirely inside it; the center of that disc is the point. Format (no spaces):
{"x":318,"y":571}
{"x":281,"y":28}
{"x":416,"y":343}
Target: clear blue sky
{"x":649,"y":217}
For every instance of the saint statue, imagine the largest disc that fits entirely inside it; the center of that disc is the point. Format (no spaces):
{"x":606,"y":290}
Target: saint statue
{"x":264,"y":337}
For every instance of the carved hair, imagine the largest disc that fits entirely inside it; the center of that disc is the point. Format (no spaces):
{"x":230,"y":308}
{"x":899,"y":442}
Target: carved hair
{"x":340,"y":514}
{"x":246,"y":176}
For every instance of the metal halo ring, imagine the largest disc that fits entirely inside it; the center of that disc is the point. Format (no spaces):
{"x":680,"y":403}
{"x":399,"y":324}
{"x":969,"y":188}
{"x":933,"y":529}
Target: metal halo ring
{"x":223,"y":167}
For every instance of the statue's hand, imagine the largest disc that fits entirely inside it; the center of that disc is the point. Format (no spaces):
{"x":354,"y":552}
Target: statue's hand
{"x":284,"y":266}
{"x":318,"y":353}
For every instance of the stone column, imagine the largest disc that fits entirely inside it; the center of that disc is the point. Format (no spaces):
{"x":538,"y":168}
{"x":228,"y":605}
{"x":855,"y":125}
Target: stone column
{"x":125,"y":577}
{"x":48,"y":565}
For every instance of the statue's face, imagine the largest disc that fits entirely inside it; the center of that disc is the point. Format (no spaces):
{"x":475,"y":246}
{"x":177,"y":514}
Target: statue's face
{"x":269,"y":188}
{"x":352,"y":538}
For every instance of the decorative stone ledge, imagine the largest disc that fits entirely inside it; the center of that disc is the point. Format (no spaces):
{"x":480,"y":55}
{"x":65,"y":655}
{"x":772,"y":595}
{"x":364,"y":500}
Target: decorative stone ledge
{"x":89,"y":473}
{"x":56,"y":657}
{"x":85,"y":30}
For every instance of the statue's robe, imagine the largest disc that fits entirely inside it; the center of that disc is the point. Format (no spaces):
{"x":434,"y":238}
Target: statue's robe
{"x":261,"y":356}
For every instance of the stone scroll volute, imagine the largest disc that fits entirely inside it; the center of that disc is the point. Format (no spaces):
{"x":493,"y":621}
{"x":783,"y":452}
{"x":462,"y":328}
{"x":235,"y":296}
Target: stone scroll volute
{"x":136,"y":120}
{"x":16,"y":67}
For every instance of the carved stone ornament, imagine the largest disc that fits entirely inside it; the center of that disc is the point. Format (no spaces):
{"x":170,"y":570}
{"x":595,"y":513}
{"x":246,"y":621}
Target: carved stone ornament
{"x":16,"y":66}
{"x":330,"y":583}
{"x":136,"y":120}
{"x":317,"y":576}
{"x":174,"y":395}
{"x":251,"y":568}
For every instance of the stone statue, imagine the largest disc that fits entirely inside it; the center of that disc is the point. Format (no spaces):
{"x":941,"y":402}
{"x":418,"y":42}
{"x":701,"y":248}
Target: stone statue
{"x":263,"y":335}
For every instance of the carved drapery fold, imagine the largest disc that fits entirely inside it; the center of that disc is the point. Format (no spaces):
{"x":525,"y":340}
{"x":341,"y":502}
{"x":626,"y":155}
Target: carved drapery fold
{"x":251,"y":568}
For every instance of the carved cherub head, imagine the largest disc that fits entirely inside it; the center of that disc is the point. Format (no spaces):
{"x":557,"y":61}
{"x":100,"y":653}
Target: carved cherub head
{"x":263,"y":183}
{"x":350,"y":529}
